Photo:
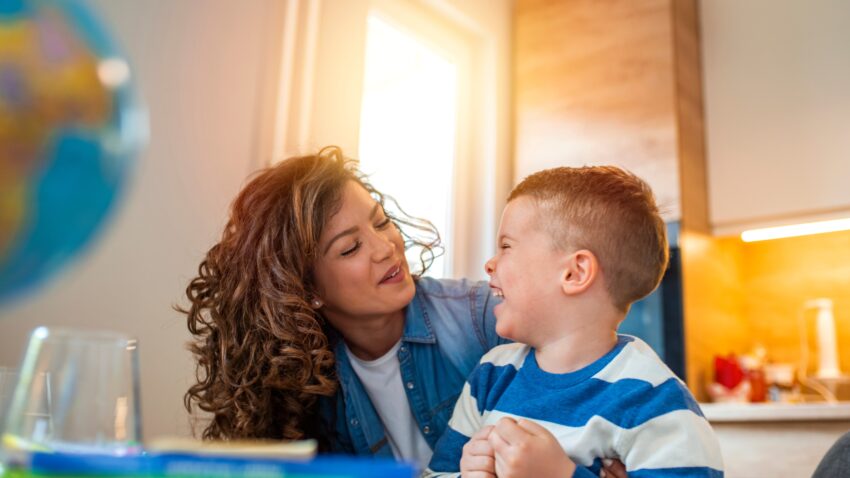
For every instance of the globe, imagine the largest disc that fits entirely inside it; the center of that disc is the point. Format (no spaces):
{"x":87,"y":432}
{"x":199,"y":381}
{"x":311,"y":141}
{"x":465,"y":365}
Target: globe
{"x":70,"y":129}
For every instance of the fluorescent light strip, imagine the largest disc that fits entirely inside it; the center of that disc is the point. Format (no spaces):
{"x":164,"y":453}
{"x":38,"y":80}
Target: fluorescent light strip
{"x":795,"y":230}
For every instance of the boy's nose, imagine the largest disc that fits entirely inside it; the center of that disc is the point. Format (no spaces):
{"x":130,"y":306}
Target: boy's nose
{"x":490,"y":267}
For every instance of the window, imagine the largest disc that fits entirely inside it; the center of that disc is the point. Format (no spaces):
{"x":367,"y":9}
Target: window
{"x":408,"y":126}
{"x":419,"y":92}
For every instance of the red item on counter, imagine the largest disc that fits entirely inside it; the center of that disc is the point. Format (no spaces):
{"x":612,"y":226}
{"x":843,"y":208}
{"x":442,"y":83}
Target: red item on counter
{"x":758,"y":385}
{"x":727,"y":371}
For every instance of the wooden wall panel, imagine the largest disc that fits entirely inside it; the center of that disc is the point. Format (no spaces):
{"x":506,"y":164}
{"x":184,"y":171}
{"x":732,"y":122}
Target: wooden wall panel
{"x":740,"y":296}
{"x":690,"y":124}
{"x":712,"y":283}
{"x":594,"y":84}
{"x":780,"y":275}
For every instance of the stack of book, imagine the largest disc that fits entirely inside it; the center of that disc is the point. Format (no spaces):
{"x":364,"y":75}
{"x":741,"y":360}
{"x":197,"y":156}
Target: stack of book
{"x":189,"y":458}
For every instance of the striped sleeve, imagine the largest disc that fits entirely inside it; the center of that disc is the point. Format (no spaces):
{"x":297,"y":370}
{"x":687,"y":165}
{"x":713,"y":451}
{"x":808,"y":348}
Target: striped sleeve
{"x":677,"y":443}
{"x":664,"y":434}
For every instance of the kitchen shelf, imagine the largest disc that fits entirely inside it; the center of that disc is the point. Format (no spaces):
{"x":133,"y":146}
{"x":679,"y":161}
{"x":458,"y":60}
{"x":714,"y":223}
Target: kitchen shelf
{"x":776,"y":412}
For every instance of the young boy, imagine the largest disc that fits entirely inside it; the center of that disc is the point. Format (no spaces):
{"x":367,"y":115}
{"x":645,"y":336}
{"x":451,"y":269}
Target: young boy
{"x":576,"y":247}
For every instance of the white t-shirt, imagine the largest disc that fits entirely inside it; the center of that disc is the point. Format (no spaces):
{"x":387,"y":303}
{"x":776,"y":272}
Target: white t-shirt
{"x":382,"y":379}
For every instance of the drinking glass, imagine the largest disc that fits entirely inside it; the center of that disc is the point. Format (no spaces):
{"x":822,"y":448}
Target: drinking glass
{"x":8,"y":379}
{"x":77,"y":391}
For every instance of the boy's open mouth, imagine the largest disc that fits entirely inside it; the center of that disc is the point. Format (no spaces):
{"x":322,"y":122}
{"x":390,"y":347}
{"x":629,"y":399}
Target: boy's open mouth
{"x":497,"y":292}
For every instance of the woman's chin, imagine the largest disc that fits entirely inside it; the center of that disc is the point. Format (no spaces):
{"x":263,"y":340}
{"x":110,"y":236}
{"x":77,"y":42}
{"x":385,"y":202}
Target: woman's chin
{"x":406,"y":291}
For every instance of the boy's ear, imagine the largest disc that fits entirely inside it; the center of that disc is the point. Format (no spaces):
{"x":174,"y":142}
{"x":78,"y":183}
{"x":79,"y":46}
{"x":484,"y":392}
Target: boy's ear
{"x":580,"y":272}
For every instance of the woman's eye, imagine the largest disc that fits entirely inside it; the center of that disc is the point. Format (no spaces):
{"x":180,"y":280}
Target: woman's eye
{"x":351,"y":250}
{"x":504,"y":246}
{"x":383,"y":224}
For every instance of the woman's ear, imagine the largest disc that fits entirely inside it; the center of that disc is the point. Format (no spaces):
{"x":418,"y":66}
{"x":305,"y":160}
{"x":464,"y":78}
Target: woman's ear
{"x":580,"y":272}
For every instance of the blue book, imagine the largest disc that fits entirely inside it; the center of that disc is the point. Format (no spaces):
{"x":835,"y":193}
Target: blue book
{"x":187,"y":465}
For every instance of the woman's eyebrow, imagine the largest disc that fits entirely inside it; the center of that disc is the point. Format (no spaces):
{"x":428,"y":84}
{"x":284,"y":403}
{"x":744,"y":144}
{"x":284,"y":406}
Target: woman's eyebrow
{"x":350,"y":230}
{"x":374,"y":211}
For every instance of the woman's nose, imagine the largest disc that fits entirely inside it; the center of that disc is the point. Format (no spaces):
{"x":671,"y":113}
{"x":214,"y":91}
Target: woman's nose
{"x":384,"y":248}
{"x":490,"y":267}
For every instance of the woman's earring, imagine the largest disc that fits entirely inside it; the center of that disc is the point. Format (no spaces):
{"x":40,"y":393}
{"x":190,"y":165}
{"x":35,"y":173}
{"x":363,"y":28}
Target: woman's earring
{"x":317,"y":304}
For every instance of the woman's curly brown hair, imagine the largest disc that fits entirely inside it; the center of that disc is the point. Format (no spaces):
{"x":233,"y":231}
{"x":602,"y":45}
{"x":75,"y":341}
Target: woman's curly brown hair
{"x":263,"y":354}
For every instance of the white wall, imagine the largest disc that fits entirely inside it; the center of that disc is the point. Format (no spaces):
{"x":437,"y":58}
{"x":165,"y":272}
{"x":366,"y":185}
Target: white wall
{"x":200,"y":69}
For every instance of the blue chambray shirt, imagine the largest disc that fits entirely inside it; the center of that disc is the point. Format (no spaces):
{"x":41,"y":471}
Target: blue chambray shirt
{"x":448,"y":326}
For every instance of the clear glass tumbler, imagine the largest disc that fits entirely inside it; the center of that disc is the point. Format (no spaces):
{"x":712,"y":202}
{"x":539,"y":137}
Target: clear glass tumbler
{"x":77,"y":391}
{"x":8,"y":380}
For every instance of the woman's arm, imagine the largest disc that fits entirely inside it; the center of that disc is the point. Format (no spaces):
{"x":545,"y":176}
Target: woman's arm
{"x":465,"y":422}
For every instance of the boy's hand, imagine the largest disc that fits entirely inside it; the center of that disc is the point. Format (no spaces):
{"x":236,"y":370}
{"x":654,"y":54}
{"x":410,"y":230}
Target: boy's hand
{"x":478,"y":459}
{"x":525,"y":449}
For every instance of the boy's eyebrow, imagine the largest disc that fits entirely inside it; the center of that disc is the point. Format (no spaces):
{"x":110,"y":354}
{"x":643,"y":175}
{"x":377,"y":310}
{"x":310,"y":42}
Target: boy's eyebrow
{"x":350,"y":230}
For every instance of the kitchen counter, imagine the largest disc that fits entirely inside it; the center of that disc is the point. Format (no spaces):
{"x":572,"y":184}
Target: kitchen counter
{"x":775,"y":439}
{"x":775,"y":412}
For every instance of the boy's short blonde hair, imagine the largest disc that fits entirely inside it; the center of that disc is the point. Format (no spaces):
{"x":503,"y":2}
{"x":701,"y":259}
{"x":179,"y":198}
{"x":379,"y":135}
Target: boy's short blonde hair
{"x":610,"y":212}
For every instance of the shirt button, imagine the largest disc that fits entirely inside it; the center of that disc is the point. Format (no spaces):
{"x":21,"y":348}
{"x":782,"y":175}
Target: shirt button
{"x":410,"y":385}
{"x":403,"y":349}
{"x":426,"y":430}
{"x":354,"y":422}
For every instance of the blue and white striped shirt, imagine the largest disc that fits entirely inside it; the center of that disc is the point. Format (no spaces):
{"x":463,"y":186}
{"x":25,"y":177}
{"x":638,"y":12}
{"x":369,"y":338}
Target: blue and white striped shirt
{"x":626,"y":405}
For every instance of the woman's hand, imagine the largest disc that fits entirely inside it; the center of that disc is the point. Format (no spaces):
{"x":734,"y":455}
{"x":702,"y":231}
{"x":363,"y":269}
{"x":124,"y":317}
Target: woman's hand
{"x":613,"y":468}
{"x":478,"y":459}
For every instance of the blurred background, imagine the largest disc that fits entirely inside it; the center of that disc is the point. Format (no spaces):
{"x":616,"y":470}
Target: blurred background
{"x":737,"y":114}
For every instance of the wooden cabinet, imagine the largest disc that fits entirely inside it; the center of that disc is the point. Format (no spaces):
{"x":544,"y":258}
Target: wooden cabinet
{"x":609,"y":83}
{"x":777,"y":105}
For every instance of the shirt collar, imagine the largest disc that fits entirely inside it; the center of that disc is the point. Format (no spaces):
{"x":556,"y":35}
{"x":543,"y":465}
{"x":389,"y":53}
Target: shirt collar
{"x":417,"y":325}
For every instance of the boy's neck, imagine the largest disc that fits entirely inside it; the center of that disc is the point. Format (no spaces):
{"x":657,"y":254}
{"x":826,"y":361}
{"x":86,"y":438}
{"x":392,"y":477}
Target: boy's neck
{"x":580,"y":346}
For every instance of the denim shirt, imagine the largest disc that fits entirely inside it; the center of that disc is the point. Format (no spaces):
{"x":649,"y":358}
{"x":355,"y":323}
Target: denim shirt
{"x":448,"y":326}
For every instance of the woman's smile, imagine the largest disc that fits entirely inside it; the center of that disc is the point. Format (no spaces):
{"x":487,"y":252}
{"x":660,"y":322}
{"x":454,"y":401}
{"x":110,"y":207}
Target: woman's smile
{"x":394,"y":275}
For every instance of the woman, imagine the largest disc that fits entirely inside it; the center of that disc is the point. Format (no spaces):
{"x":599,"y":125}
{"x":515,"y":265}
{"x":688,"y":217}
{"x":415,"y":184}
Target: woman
{"x":308,"y":322}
